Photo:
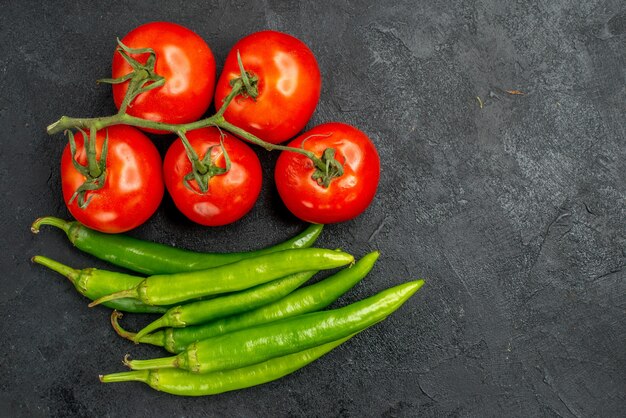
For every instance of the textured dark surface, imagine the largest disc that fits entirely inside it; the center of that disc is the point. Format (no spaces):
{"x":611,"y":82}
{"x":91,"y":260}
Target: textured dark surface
{"x":514,"y":212}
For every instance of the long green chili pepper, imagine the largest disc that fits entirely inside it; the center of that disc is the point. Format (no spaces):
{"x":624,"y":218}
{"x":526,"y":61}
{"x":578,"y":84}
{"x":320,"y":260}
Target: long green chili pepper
{"x":307,"y":299}
{"x":243,"y":274}
{"x":233,"y":303}
{"x":181,"y":382}
{"x":253,"y":345}
{"x":94,"y":284}
{"x":152,"y":258}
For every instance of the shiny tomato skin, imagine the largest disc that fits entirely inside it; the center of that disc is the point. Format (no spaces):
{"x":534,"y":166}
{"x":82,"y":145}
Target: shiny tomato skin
{"x":231,"y":195}
{"x":348,"y":195}
{"x":289,"y":85}
{"x":186,"y":62}
{"x":133,"y":187}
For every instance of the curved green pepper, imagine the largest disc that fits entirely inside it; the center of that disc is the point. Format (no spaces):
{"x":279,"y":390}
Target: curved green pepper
{"x":253,"y":345}
{"x":152,"y":258}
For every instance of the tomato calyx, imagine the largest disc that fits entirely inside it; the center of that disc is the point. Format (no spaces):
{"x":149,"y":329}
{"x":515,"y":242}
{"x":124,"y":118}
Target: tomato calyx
{"x":327,"y":168}
{"x":94,"y":171}
{"x":143,"y":78}
{"x":249,"y":81}
{"x":202,"y":170}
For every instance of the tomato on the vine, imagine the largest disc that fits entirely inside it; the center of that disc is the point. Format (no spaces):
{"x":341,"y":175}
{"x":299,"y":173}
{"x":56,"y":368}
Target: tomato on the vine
{"x":346,"y":195}
{"x":230,"y":195}
{"x":288,"y":85}
{"x":186,"y":62}
{"x":133,"y":184}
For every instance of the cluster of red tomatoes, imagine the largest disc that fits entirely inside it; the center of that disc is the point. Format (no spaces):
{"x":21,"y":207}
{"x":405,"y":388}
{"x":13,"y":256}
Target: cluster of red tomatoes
{"x":288,"y":83}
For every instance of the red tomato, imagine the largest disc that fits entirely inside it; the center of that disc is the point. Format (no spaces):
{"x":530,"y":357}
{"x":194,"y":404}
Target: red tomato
{"x":187,"y":64}
{"x":348,"y":195}
{"x":289,"y":85}
{"x":133,"y":187}
{"x":230,"y":195}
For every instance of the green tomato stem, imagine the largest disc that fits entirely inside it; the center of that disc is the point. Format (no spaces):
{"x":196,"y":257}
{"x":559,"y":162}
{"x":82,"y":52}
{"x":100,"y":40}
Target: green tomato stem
{"x":66,"y":122}
{"x":268,"y":146}
{"x":243,"y":85}
{"x":237,"y":89}
{"x":92,"y":162}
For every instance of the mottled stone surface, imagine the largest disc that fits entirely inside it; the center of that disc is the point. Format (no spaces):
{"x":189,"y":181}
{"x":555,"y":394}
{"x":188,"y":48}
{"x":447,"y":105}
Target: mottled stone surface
{"x":512,"y":207}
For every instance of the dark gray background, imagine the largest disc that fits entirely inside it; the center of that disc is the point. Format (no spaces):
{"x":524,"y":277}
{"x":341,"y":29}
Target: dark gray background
{"x":514,"y":213}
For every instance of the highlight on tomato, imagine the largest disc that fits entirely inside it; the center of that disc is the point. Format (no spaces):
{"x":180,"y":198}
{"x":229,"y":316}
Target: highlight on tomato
{"x":335,"y":196}
{"x":177,"y":74}
{"x":286,"y":82}
{"x":114,"y":185}
{"x":222,"y":183}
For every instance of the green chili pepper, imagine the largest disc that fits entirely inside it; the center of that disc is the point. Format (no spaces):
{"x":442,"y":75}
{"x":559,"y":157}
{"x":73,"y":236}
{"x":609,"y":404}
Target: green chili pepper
{"x":308,"y":299}
{"x":181,"y":382}
{"x":94,"y":284}
{"x":179,"y":287}
{"x":151,"y":258}
{"x":253,"y":345}
{"x":233,"y":303}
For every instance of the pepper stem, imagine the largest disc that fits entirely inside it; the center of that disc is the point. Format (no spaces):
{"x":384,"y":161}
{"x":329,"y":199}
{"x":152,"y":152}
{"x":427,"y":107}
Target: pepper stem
{"x":156,"y":363}
{"x":156,"y":338}
{"x":115,"y":317}
{"x":129,"y":293}
{"x":71,"y":273}
{"x":52,"y":221}
{"x":154,"y":325}
{"x":133,"y":376}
